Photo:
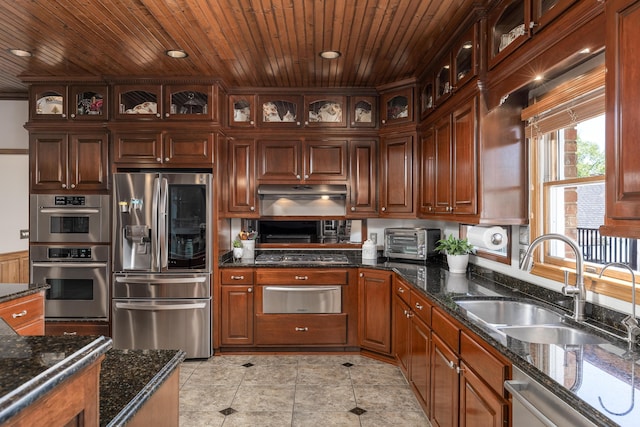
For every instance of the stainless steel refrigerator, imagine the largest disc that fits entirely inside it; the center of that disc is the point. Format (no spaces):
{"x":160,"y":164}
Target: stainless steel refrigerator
{"x":162,"y":254}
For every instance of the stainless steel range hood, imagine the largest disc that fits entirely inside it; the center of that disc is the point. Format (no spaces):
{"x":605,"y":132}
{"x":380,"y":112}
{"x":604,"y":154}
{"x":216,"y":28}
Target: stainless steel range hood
{"x":295,"y":190}
{"x":302,"y":200}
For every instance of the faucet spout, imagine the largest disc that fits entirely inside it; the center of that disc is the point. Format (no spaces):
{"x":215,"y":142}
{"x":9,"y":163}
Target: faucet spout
{"x":630,"y":322}
{"x":578,"y":291}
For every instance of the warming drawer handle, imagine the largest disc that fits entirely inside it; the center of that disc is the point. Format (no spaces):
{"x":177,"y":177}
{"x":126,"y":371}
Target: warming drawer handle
{"x":301,"y":289}
{"x":303,"y":329}
{"x":515,"y":387}
{"x":152,"y":307}
{"x":302,"y":277}
{"x":78,"y":264}
{"x":161,"y":281}
{"x":69,"y":210}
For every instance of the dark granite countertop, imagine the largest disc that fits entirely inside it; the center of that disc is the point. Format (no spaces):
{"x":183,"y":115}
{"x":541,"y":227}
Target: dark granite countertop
{"x":32,"y":366}
{"x":10,"y":291}
{"x":129,"y":378}
{"x":596,"y":379}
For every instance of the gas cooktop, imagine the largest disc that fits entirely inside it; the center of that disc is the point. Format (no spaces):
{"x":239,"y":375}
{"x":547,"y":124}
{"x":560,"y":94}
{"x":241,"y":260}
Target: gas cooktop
{"x":302,"y":259}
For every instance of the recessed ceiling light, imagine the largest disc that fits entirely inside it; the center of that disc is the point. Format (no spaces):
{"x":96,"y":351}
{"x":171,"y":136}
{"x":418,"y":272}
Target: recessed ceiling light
{"x":20,"y":52}
{"x":330,"y":54}
{"x":176,"y":53}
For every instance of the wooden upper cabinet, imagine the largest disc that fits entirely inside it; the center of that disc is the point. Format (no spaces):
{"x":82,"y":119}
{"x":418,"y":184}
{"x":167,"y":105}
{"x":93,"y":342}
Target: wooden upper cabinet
{"x":89,"y":102}
{"x":444,"y":82}
{"x":545,"y":11}
{"x":73,"y":162}
{"x":363,"y":175}
{"x":443,"y":167}
{"x":138,"y":102}
{"x":465,"y":130}
{"x":137,"y":147}
{"x":241,"y":176}
{"x":326,"y":160}
{"x":48,"y":102}
{"x":509,"y":28}
{"x":396,"y":176}
{"x":325,"y":111}
{"x":362,"y":111}
{"x":623,"y":126}
{"x":427,"y":171}
{"x":464,"y":58}
{"x":242,"y":110}
{"x":427,"y":97}
{"x":189,"y":102}
{"x":280,"y":111}
{"x":279,"y":160}
{"x":164,"y":149}
{"x":397,"y":107}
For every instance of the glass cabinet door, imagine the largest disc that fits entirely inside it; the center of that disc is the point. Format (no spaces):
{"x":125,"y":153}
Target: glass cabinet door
{"x":138,"y":102}
{"x":89,"y":103}
{"x":362,"y":111}
{"x":188,"y":102}
{"x":325,"y":111}
{"x":397,"y":107}
{"x":48,"y":102}
{"x":465,"y":58}
{"x":545,"y":11}
{"x":279,"y":110}
{"x":443,"y":79}
{"x":509,"y":28}
{"x":242,"y":110}
{"x":426,"y":98}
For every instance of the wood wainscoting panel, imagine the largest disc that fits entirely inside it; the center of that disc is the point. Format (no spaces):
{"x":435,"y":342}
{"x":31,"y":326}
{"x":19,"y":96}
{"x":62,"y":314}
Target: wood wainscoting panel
{"x":14,"y":267}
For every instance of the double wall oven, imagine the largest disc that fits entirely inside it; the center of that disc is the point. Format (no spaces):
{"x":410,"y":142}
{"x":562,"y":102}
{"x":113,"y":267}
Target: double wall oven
{"x":70,"y":251}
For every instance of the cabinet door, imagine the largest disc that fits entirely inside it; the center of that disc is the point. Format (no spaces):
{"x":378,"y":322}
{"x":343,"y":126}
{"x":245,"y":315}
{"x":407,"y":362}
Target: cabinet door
{"x":241,"y":158}
{"x":362,"y":111}
{"x":138,"y":102}
{"x":479,"y":405}
{"x":427,"y":172}
{"x":374,"y":326}
{"x":236,"y":325}
{"x":464,"y":187}
{"x":137,"y":147}
{"x":188,"y":149}
{"x":279,"y":160}
{"x":279,"y":111}
{"x":48,"y":102}
{"x":545,"y":11}
{"x":48,"y":157}
{"x":622,"y":110}
{"x":401,"y":338}
{"x":325,"y":160}
{"x":325,"y":111}
{"x":444,"y":86}
{"x":443,"y":166}
{"x":88,"y":162}
{"x":420,"y":361}
{"x":363,"y":173}
{"x":444,"y":384}
{"x":509,"y":24}
{"x":464,"y":58}
{"x":396,"y":167}
{"x":189,"y":102}
{"x":397,"y":107}
{"x":89,"y":102}
{"x":242,"y":110}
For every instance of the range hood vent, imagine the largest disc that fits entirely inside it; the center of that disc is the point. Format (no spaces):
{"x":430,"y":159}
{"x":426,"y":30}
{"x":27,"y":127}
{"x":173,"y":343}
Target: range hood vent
{"x":302,"y":200}
{"x":302,"y":190}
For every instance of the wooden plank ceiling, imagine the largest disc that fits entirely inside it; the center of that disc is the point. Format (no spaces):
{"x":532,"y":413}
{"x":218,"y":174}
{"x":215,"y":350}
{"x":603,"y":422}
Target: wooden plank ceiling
{"x":245,"y":43}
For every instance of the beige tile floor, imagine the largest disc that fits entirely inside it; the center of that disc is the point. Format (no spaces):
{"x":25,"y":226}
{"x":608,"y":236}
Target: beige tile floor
{"x":296,"y":391}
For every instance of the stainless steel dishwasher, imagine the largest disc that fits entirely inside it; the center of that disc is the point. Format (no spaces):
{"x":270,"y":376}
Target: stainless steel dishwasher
{"x":533,"y":405}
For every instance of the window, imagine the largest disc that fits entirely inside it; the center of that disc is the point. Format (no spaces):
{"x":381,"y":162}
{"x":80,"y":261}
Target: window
{"x":566,"y":133}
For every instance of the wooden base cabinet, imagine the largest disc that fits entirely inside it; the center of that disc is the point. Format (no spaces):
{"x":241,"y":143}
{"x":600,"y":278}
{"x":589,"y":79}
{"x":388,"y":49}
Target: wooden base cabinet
{"x":236,"y":307}
{"x":444,"y":384}
{"x":76,"y":328}
{"x":374,"y":304}
{"x":25,"y":314}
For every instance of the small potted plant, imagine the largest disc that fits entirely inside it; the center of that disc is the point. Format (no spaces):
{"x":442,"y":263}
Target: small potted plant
{"x":237,"y":249}
{"x":457,"y":251}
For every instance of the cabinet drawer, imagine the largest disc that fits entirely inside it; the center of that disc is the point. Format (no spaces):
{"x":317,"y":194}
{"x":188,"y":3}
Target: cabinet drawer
{"x":24,"y":310}
{"x":446,"y":329}
{"x":296,"y":329}
{"x":236,"y":276}
{"x":490,"y":368}
{"x":402,"y":290}
{"x":309,"y":276}
{"x":421,"y":307}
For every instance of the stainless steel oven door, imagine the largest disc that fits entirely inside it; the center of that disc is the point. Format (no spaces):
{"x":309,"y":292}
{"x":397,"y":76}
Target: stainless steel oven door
{"x":69,"y":219}
{"x":79,"y":288}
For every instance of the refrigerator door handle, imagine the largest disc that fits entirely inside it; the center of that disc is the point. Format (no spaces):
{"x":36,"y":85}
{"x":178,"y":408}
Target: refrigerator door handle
{"x":164,"y":226}
{"x":154,"y":307}
{"x":170,"y":280}
{"x":155,"y":236}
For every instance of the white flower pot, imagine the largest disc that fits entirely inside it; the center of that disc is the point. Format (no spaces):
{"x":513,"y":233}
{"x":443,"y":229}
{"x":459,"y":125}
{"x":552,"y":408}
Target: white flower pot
{"x":458,"y":263}
{"x":237,"y":253}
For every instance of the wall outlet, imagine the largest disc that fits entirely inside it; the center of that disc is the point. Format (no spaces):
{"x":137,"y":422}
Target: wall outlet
{"x":24,"y":234}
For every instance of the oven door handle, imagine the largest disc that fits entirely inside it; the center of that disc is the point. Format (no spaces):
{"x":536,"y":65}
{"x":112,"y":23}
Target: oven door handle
{"x":69,"y":210}
{"x":154,"y":307}
{"x":154,"y":281}
{"x":70,"y":264}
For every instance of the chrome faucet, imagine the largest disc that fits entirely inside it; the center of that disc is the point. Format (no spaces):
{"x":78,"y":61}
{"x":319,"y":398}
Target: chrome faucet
{"x":630,"y":322}
{"x":578,"y":291}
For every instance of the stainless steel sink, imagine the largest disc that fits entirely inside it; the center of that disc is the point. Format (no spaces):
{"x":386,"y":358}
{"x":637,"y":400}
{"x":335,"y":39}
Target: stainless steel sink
{"x":551,"y":334}
{"x":507,"y":313}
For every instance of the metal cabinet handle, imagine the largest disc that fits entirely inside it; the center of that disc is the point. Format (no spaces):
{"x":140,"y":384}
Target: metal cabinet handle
{"x":383,"y":209}
{"x":69,"y":333}
{"x":419,"y":307}
{"x":158,"y":159}
{"x":460,"y":370}
{"x":237,"y":277}
{"x":302,"y":277}
{"x":166,"y":159}
{"x":353,"y":209}
{"x":252,"y":208}
{"x":21,"y":314}
{"x":64,"y":185}
{"x":303,"y":329}
{"x":401,"y":290}
{"x":73,"y":186}
{"x":250,"y":290}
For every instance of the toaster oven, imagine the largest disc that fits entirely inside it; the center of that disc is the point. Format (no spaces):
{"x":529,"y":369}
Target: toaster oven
{"x":411,"y":243}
